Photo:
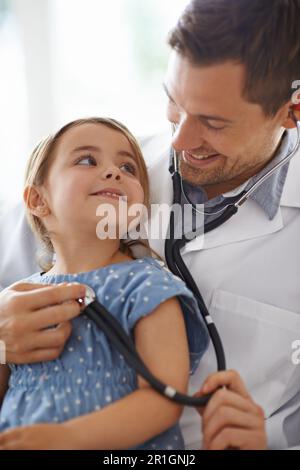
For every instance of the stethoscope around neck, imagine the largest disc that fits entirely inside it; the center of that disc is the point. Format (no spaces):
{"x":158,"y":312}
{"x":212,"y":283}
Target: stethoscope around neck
{"x":174,"y":246}
{"x":111,"y":327}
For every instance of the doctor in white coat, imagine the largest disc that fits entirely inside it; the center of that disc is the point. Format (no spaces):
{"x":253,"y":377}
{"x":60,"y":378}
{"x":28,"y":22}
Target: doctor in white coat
{"x":230,"y":130}
{"x":230,"y":95}
{"x":229,"y":84}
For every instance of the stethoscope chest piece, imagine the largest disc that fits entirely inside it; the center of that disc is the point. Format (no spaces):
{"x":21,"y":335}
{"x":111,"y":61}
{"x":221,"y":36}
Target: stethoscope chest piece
{"x":90,"y":296}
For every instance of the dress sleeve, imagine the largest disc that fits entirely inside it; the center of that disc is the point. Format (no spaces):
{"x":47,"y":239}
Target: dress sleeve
{"x":154,"y":286}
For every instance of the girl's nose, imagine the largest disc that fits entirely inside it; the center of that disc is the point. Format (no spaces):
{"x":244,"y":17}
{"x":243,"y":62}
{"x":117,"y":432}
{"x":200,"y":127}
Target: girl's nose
{"x":111,"y":173}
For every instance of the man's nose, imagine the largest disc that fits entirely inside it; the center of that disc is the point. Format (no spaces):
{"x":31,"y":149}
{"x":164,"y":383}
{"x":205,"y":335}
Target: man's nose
{"x":112,"y":173}
{"x":187,"y":136}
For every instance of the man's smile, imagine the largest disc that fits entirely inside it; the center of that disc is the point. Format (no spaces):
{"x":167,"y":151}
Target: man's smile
{"x":200,"y":161}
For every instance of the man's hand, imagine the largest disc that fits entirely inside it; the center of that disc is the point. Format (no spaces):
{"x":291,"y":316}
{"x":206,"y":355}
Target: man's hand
{"x":231,"y":420}
{"x":27,"y":310}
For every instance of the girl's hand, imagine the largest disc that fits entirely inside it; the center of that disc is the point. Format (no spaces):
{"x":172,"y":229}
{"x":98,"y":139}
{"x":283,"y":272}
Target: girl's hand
{"x":39,"y":437}
{"x":231,"y":420}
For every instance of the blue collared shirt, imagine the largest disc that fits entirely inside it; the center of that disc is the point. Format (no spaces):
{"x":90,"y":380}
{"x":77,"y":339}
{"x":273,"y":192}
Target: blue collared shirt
{"x":267,"y":196}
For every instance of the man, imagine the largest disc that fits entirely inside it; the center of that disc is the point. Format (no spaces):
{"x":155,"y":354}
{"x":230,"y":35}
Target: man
{"x":229,"y":84}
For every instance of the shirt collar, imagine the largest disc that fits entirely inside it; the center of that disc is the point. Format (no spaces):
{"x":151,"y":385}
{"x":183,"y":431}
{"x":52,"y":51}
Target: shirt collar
{"x":268,"y":195}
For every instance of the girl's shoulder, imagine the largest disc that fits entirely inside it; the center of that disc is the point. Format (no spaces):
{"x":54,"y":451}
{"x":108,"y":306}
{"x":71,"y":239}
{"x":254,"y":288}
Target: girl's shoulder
{"x":135,"y":273}
{"x":151,"y":267}
{"x":158,"y":266}
{"x":149,"y":283}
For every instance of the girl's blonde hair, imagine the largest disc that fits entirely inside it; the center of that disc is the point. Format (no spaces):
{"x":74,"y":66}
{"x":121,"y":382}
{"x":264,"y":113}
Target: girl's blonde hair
{"x":38,"y":168}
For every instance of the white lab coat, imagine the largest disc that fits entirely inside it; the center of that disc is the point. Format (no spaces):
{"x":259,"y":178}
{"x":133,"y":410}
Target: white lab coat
{"x":248,"y":271}
{"x":249,"y":274}
{"x":18,"y":247}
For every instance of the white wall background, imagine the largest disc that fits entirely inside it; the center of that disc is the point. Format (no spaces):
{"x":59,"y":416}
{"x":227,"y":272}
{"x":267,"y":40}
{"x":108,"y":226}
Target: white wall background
{"x":64,"y":59}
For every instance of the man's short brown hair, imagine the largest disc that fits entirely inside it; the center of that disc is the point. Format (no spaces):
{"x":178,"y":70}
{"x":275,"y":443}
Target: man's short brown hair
{"x":264,"y":35}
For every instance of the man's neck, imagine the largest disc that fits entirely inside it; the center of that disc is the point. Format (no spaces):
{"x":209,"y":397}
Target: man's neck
{"x":215,"y":190}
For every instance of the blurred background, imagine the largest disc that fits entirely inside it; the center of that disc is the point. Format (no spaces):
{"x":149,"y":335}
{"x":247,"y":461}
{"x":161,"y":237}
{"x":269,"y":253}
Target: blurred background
{"x":65,"y":59}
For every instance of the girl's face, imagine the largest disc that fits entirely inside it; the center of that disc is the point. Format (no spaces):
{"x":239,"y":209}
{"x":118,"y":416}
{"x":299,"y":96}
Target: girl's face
{"x":91,"y":163}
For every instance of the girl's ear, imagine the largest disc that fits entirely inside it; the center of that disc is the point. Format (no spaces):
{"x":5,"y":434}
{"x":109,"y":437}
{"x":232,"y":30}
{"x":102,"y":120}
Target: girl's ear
{"x":35,"y":202}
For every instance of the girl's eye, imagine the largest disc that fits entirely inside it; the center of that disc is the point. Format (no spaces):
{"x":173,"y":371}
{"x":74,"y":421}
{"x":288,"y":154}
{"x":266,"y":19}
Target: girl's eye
{"x":129,"y":168}
{"x":88,"y":158}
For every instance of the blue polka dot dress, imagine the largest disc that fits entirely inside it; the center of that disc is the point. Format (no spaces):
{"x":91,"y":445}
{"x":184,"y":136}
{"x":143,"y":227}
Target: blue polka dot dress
{"x":90,"y":373}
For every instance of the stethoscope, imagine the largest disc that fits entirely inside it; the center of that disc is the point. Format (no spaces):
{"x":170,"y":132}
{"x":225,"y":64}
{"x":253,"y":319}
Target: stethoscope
{"x":110,"y":326}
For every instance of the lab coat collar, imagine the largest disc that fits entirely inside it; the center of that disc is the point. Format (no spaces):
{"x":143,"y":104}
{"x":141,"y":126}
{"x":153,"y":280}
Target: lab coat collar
{"x":250,"y":222}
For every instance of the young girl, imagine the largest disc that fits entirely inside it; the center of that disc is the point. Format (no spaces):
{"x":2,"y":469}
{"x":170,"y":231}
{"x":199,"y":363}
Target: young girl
{"x":89,"y":398}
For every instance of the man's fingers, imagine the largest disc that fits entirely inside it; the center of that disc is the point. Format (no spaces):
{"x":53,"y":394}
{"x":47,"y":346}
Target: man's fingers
{"x":199,"y":409}
{"x":231,"y":418}
{"x":54,"y":338}
{"x":54,"y":315}
{"x":228,"y":438}
{"x":39,"y":355}
{"x":238,"y":439}
{"x":53,"y":295}
{"x":230,"y":378}
{"x":27,"y":286}
{"x":227,"y":417}
{"x":50,"y":339}
{"x":226,"y":398}
{"x":30,"y":309}
{"x":37,"y":326}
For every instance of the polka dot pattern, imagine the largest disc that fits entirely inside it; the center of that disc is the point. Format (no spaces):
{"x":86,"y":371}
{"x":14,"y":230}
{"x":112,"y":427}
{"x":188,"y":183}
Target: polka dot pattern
{"x":90,"y":374}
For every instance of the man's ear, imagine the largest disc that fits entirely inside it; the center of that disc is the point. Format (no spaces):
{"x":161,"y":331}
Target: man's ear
{"x":292,"y":112}
{"x":35,"y":201}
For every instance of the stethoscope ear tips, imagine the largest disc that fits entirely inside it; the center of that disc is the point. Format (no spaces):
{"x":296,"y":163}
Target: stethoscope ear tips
{"x":90,"y":296}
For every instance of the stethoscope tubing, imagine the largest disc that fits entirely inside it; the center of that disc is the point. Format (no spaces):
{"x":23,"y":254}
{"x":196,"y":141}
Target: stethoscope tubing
{"x":178,"y":267}
{"x":124,"y":343}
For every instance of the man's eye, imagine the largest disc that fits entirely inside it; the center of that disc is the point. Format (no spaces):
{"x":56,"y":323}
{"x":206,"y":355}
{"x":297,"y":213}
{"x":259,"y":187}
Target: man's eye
{"x":129,"y":168}
{"x":89,"y":159}
{"x":214,"y":128}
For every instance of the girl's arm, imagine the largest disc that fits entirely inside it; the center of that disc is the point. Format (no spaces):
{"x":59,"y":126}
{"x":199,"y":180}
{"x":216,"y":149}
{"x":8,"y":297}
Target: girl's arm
{"x":162,"y":343}
{"x":4,"y":376}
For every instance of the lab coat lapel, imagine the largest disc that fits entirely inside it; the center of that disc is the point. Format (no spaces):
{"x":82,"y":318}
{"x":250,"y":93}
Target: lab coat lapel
{"x":250,"y":222}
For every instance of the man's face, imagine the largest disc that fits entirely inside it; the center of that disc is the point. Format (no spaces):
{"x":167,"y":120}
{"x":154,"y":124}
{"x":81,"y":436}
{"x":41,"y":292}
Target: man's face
{"x":215,"y":121}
